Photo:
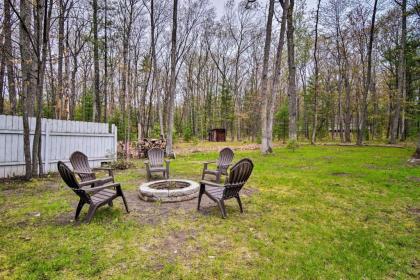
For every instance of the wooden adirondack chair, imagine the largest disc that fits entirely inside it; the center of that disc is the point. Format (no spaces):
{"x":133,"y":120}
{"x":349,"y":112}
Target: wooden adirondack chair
{"x":81,"y":167}
{"x":94,"y":196}
{"x":155,"y":163}
{"x":222,"y":164}
{"x":238,"y":176}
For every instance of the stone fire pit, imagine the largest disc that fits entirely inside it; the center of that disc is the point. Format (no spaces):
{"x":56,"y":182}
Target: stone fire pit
{"x":171,"y":190}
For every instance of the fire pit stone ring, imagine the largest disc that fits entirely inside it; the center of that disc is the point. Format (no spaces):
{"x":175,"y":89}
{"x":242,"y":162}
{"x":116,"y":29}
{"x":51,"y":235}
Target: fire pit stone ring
{"x":170,"y":190}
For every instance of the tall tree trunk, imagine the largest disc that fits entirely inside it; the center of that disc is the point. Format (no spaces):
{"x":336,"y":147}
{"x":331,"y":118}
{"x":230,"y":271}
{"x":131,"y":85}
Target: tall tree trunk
{"x":160,"y":112}
{"x":292,"y":74}
{"x":59,"y":98}
{"x":26,"y":68}
{"x":315,"y":117}
{"x":265,"y":149}
{"x":106,"y":62}
{"x":73,"y":86}
{"x":347,"y":104}
{"x":154,"y":58}
{"x":401,"y":79}
{"x":2,"y":67}
{"x":8,"y":56}
{"x":340,"y":108}
{"x":97,"y":95}
{"x":172,"y":85}
{"x":275,"y":88}
{"x":367,"y":85}
{"x":42,"y":20}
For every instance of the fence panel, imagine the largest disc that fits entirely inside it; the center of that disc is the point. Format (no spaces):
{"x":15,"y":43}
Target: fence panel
{"x":59,"y":139}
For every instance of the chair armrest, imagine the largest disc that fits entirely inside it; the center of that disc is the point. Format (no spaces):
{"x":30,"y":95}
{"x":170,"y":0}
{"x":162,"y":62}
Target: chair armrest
{"x":90,"y":182}
{"x":82,"y":172}
{"x":106,"y":186}
{"x":109,"y":169}
{"x":103,"y":168}
{"x":206,"y":163}
{"x":212,"y":184}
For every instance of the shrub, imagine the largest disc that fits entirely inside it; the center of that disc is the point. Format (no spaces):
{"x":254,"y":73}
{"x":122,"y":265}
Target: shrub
{"x":292,"y":145}
{"x":122,"y":164}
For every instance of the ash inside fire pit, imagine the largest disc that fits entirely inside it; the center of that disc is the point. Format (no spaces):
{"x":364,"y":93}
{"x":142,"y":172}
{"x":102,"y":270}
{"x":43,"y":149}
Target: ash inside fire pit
{"x":171,"y":190}
{"x":169,"y":185}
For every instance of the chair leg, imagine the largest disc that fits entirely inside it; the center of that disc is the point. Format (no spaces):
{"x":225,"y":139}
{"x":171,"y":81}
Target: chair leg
{"x":78,"y":209}
{"x":218,"y":175}
{"x":91,"y":212}
{"x":222,"y":208}
{"x":125,"y":202}
{"x":239,"y":202}
{"x":110,"y":204}
{"x":200,"y":194}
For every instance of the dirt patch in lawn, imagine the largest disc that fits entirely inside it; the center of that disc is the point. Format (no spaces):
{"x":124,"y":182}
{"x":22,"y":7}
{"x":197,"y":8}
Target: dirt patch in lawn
{"x":414,"y":179}
{"x":414,"y":211}
{"x":155,"y":212}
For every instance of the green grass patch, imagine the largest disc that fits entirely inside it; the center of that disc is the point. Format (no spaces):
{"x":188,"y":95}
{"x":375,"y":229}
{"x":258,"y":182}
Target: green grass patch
{"x":316,"y":213}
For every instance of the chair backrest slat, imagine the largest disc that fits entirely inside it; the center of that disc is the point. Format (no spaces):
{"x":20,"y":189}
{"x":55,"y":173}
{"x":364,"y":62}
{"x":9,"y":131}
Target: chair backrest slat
{"x":238,"y":176}
{"x":80,"y":162}
{"x":156,"y":157}
{"x":225,"y":157}
{"x":68,"y":177}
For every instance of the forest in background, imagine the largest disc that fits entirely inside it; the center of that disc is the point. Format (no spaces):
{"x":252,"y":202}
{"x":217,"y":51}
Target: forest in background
{"x":265,"y":69}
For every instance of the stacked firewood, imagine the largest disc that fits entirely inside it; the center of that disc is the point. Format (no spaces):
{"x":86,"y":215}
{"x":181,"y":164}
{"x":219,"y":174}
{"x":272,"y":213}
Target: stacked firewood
{"x":125,"y":149}
{"x":146,"y":144}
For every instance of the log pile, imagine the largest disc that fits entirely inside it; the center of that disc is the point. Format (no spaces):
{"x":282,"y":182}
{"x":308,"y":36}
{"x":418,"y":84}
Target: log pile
{"x":125,"y":149}
{"x":146,"y":144}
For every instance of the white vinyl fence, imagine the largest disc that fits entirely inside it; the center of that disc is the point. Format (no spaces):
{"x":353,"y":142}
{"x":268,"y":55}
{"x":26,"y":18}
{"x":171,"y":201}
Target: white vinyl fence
{"x":59,"y":140}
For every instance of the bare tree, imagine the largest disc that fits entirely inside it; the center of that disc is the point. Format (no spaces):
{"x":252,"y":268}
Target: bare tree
{"x":172,"y":86}
{"x":264,"y":80}
{"x":396,"y":114}
{"x":275,"y":87}
{"x":96,"y":87}
{"x":25,"y":19}
{"x":8,"y":56}
{"x":292,"y":74}
{"x":316,"y":86}
{"x":367,"y":84}
{"x":2,"y":67}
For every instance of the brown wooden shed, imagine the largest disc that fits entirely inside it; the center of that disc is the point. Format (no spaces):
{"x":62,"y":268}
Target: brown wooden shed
{"x":217,"y":135}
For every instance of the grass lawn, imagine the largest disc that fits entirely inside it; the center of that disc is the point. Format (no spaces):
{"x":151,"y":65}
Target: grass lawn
{"x":316,"y":213}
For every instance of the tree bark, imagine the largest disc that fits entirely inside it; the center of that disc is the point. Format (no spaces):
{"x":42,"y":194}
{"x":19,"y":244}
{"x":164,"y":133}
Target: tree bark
{"x":8,"y":56}
{"x":106,"y":62}
{"x":59,"y":98}
{"x":172,"y":85}
{"x":265,"y":149}
{"x":275,"y":88}
{"x":26,"y":67}
{"x":2,"y":67}
{"x":96,"y":88}
{"x":292,"y":74}
{"x":367,"y":85}
{"x":315,"y":118}
{"x":42,"y":21}
{"x":401,"y":78}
